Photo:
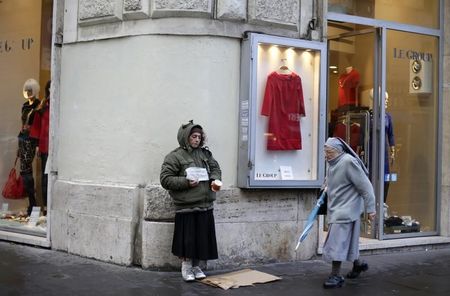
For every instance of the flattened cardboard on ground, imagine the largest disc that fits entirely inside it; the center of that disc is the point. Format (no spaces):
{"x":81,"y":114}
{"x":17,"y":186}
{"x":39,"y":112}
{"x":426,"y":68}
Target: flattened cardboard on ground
{"x":236,"y":279}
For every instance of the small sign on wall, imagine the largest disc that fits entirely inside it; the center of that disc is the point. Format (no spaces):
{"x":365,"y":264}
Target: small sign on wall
{"x":420,"y":77}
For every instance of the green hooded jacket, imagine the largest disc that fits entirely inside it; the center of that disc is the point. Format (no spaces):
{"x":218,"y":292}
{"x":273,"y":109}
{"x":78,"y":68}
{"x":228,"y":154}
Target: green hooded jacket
{"x":173,"y":172}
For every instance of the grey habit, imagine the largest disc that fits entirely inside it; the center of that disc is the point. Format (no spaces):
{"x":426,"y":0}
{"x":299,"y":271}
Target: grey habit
{"x":349,"y":190}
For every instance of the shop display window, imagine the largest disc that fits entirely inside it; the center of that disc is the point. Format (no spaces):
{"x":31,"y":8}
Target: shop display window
{"x":21,"y":222}
{"x":25,"y":52}
{"x":281,"y":113}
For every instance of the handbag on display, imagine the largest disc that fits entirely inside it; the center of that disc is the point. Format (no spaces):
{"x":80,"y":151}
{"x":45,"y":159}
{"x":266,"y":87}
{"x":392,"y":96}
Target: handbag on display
{"x":323,"y":207}
{"x":14,"y":188}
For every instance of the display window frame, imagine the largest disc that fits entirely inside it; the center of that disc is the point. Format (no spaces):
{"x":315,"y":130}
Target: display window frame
{"x":302,"y":165}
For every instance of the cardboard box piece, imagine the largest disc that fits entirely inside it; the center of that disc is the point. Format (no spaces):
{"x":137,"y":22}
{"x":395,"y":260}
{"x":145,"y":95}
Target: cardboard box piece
{"x":236,"y":279}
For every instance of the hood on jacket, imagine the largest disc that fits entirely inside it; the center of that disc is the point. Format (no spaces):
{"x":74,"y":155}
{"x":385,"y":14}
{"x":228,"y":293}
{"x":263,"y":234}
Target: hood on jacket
{"x":184,"y":132}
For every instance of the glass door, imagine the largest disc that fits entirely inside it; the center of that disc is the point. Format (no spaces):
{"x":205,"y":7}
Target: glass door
{"x":353,"y":57}
{"x":411,"y":144}
{"x":383,"y":100}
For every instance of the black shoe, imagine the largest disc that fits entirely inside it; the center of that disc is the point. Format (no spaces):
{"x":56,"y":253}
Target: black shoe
{"x":357,"y":269}
{"x":334,"y":281}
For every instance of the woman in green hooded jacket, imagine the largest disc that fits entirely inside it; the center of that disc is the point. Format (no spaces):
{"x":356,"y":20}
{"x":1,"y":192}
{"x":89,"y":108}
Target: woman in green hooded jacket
{"x":189,"y":173}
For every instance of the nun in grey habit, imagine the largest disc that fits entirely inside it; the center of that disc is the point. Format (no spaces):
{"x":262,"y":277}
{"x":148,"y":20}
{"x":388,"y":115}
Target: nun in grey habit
{"x":349,"y":191}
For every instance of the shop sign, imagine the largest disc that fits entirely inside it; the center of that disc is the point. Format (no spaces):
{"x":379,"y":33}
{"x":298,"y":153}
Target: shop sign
{"x":10,"y":45}
{"x":267,"y":176}
{"x":412,"y":55}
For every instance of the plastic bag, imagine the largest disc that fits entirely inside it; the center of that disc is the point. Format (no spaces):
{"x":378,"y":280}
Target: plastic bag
{"x":14,"y":188}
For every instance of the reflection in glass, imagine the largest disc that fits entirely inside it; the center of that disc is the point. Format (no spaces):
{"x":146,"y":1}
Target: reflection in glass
{"x":412,"y":85}
{"x":350,"y":103}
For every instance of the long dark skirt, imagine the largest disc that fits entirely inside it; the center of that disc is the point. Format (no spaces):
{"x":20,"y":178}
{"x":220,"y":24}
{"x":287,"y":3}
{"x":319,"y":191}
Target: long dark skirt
{"x":194,"y":236}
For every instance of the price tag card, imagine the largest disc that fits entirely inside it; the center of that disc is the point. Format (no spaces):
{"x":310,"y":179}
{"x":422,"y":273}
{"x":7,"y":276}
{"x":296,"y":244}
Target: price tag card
{"x":5,"y":207}
{"x":286,"y":173}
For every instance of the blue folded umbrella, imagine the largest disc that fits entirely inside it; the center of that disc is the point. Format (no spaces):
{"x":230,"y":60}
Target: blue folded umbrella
{"x":311,"y":219}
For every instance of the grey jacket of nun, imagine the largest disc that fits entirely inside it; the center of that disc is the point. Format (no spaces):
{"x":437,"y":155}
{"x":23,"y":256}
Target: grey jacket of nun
{"x":349,"y":190}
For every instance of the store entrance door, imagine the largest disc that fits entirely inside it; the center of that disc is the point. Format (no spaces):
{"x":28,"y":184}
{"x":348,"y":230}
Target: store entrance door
{"x":383,"y":100}
{"x":352,"y":102}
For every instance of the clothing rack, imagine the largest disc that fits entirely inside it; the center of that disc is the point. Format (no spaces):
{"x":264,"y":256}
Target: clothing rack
{"x":354,"y":128}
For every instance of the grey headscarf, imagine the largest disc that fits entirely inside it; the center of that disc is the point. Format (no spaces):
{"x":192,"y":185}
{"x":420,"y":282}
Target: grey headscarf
{"x":341,"y":146}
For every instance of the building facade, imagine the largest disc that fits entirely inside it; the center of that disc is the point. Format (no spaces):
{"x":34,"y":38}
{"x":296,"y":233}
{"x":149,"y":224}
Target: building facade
{"x":126,"y":74}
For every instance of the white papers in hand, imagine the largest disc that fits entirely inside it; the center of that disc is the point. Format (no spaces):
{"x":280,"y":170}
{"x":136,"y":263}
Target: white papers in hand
{"x":197,"y":174}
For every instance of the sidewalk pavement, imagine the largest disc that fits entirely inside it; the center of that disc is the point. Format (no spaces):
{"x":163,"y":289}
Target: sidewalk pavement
{"x":27,"y":270}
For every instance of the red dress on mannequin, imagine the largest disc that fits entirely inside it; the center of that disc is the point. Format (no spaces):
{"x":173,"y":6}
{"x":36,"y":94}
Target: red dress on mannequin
{"x":348,"y":84}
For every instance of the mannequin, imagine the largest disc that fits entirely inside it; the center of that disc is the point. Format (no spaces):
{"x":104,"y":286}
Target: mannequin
{"x":27,"y":145}
{"x":389,"y":154}
{"x":348,"y":87}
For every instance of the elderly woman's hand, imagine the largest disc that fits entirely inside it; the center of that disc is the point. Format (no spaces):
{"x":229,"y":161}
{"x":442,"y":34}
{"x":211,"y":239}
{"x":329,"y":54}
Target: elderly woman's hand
{"x":372,"y":216}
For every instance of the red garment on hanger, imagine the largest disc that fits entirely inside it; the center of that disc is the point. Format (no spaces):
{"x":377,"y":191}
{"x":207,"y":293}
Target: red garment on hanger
{"x":347,"y":92}
{"x":355,"y":134}
{"x":283,"y":104}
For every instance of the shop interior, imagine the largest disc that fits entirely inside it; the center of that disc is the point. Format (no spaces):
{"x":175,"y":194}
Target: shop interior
{"x":408,"y":199}
{"x":25,"y":53}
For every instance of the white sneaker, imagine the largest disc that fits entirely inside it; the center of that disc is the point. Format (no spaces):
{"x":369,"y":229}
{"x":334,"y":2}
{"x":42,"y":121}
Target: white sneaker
{"x":186,"y":271}
{"x":198,"y":273}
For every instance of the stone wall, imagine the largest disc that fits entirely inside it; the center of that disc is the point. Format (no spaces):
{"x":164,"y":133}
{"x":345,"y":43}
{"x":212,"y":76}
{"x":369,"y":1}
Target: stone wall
{"x":97,"y":19}
{"x":252,"y":226}
{"x":127,"y":224}
{"x":95,"y":220}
